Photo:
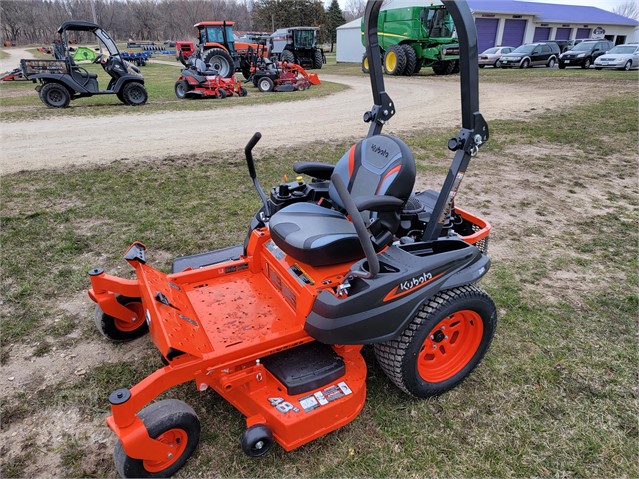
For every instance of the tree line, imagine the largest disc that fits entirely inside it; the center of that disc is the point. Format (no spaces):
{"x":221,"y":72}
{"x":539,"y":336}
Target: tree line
{"x":36,"y":21}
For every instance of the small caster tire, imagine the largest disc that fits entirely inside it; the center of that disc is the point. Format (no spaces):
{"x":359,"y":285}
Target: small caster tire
{"x":172,"y":422}
{"x":257,"y":440}
{"x":117,"y":329}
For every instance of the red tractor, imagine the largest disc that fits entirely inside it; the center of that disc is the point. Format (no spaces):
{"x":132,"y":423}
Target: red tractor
{"x":218,"y":48}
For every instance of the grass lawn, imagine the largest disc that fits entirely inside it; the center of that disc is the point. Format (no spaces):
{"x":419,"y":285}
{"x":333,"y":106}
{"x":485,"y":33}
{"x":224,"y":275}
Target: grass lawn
{"x":4,"y":55}
{"x":556,"y":396}
{"x":19,"y":101}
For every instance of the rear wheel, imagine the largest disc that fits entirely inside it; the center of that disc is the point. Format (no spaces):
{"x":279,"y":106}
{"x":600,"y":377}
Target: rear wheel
{"x":134,"y":94}
{"x":55,"y":95}
{"x":181,"y":89}
{"x":318,"y":59}
{"x":365,"y":67}
{"x":221,"y":61}
{"x":444,"y":342}
{"x":394,"y":60}
{"x":497,"y":64}
{"x":287,"y":56}
{"x":551,"y":63}
{"x":117,"y":329}
{"x":265,"y":84}
{"x":411,"y":60}
{"x":169,"y":421}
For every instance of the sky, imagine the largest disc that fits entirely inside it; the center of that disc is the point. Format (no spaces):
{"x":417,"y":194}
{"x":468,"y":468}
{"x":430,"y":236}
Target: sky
{"x":603,"y":4}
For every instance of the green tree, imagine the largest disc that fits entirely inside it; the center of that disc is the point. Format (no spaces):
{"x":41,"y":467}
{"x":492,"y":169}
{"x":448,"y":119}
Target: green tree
{"x":334,"y":18}
{"x":274,"y":14}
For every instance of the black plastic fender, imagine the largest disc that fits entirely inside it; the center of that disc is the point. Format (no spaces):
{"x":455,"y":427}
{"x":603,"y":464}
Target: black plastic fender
{"x":120,"y":82}
{"x":379,"y":309}
{"x":64,"y":79}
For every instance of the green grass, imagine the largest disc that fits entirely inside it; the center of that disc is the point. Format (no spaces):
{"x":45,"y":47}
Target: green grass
{"x":19,"y":101}
{"x":4,"y":55}
{"x":556,"y":395}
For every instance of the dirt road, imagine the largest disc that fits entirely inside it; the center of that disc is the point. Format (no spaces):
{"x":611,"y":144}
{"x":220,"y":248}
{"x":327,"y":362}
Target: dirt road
{"x":420,"y":103}
{"x":16,"y":54}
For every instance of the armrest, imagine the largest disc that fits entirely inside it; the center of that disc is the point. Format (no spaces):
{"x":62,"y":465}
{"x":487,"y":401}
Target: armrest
{"x":378,"y":203}
{"x":321,"y":171}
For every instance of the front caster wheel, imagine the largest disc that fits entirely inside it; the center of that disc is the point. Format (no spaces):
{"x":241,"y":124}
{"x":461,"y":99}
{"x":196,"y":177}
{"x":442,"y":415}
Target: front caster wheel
{"x":171,"y":422}
{"x":117,"y":329}
{"x":257,"y":440}
{"x":444,"y":342}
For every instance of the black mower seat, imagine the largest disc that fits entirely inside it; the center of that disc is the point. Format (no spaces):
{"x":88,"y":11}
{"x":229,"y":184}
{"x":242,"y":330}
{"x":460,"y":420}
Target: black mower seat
{"x":381,"y":165}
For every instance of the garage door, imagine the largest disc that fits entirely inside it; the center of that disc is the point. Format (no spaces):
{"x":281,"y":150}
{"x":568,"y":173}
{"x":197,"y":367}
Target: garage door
{"x":563,"y":34}
{"x":513,"y":32}
{"x":583,"y":33}
{"x":541,"y":34}
{"x":486,"y":33}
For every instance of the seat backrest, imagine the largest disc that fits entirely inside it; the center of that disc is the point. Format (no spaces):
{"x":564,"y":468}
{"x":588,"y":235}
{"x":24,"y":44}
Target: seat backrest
{"x":379,"y":165}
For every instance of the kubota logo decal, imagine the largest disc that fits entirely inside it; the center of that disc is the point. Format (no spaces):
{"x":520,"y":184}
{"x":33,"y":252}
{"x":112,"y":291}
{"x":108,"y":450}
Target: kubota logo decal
{"x":411,"y":285}
{"x":379,"y":150}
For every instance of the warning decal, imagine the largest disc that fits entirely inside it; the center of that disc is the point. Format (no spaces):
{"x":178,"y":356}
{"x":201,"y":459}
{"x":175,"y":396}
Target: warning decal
{"x":322,"y":398}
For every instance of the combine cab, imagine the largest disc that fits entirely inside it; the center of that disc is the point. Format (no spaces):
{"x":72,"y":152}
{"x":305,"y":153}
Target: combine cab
{"x":415,"y":37}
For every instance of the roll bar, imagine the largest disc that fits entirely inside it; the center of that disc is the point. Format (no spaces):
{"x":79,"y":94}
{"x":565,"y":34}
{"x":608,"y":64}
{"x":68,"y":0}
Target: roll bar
{"x":474,"y":132}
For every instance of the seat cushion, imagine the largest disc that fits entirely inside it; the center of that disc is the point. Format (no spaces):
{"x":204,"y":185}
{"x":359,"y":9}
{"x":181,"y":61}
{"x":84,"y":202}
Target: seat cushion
{"x":315,"y":235}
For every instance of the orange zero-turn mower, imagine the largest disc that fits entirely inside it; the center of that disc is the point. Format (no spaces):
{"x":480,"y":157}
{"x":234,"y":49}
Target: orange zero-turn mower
{"x":276,"y":325}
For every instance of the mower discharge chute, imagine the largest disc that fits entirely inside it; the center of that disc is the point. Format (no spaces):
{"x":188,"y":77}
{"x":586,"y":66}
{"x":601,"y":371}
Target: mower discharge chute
{"x":276,"y":325}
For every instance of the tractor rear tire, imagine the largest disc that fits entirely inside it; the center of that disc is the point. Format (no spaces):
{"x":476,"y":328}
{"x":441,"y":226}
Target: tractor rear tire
{"x":394,"y":60}
{"x":221,"y":61}
{"x":365,"y":67}
{"x":444,"y":68}
{"x":411,"y":60}
{"x":443,"y":344}
{"x":181,"y":89}
{"x":134,"y":94}
{"x":55,"y":95}
{"x":318,"y":59}
{"x":265,"y":84}
{"x":287,"y":56}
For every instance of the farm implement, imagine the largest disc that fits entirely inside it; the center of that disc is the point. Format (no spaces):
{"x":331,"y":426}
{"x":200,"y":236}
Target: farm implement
{"x":276,"y":325}
{"x":13,"y":75}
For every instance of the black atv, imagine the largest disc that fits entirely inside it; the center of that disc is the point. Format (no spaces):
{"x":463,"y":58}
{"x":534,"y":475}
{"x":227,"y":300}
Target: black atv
{"x":62,"y":80}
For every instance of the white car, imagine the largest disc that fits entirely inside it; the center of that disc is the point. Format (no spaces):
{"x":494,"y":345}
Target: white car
{"x":622,"y":56}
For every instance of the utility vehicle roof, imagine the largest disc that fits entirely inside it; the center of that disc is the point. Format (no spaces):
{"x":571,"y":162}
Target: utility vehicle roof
{"x":78,"y":25}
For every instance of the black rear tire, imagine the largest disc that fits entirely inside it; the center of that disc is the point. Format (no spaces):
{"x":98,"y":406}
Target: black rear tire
{"x":54,"y":95}
{"x":171,"y":421}
{"x":243,"y":91}
{"x":394,"y":60}
{"x":411,"y":60}
{"x":122,"y":330}
{"x":265,"y":84}
{"x":427,"y":359}
{"x":221,"y":61}
{"x":318,"y":59}
{"x":134,"y":94}
{"x":287,"y":56}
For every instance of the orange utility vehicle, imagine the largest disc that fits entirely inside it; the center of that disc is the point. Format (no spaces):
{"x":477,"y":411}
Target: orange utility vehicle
{"x":276,"y":325}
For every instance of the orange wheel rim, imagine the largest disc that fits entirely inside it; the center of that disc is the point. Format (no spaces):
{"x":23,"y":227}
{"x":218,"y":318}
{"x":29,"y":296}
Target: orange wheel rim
{"x":449,"y":346}
{"x":128,"y":325}
{"x":177,"y":439}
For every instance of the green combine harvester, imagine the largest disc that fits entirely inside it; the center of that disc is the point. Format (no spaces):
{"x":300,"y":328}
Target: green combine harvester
{"x":414,"y":37}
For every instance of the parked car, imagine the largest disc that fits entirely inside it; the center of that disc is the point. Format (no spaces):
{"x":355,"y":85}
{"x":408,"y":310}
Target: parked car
{"x":622,"y":57}
{"x":492,"y":55}
{"x":583,"y":54}
{"x":530,"y":55}
{"x":564,"y":45}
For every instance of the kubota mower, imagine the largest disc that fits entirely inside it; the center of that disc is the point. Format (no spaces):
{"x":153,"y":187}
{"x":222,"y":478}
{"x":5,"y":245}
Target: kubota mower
{"x":198,"y":79}
{"x":276,"y":325}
